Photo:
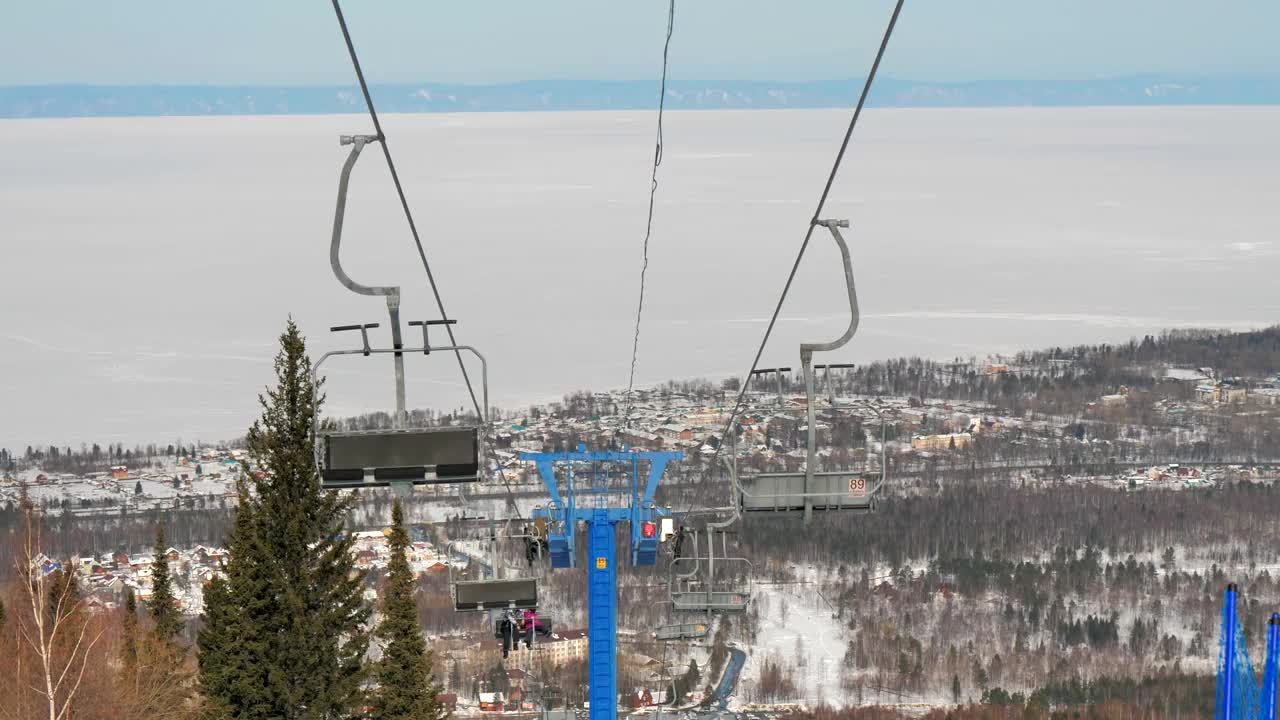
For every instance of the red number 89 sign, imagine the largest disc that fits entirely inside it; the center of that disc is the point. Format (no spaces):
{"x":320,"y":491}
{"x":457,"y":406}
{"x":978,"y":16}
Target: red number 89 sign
{"x":857,"y":485}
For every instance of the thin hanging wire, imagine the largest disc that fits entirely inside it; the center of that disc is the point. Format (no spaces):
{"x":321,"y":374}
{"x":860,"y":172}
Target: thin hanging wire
{"x":481,"y":413}
{"x":648,"y":228}
{"x":813,"y":223}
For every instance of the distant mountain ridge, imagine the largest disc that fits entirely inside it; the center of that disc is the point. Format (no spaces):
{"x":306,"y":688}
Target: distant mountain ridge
{"x":48,"y":101}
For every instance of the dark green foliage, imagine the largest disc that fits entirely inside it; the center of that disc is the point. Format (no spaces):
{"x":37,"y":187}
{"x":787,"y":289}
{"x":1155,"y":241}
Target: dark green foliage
{"x":406,"y":690}
{"x":1191,"y":695}
{"x":1096,"y":631}
{"x":166,"y":618}
{"x":63,"y":592}
{"x":692,"y":675}
{"x":233,"y":644}
{"x":129,"y":636}
{"x":284,"y":630}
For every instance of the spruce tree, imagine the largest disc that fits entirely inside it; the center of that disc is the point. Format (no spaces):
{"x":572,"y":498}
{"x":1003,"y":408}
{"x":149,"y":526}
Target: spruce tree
{"x":238,"y":616}
{"x":64,"y":591}
{"x":284,"y":631}
{"x":164,"y":614}
{"x":129,"y":637}
{"x":406,"y":690}
{"x":693,"y":676}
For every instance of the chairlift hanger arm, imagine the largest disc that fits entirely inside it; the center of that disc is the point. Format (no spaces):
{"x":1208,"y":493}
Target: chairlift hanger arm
{"x":822,"y":201}
{"x":807,"y":349}
{"x":357,"y":143}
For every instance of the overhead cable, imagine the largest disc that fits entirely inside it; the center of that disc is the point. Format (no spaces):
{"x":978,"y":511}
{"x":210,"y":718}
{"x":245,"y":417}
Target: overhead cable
{"x":648,"y":228}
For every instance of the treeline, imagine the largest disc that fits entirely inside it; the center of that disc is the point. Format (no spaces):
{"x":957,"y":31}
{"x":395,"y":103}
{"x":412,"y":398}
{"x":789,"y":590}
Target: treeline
{"x":89,"y":458}
{"x":1164,"y":696}
{"x":1063,"y":380}
{"x":1005,"y":520}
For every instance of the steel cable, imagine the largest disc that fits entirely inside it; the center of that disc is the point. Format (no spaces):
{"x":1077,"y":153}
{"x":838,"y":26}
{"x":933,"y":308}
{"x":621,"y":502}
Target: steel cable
{"x":648,"y":229}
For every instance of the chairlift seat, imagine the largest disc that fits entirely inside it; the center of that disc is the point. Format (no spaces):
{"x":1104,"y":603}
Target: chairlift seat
{"x":374,"y":458}
{"x":477,"y":595}
{"x":682,"y":631}
{"x":785,"y":492}
{"x":715,"y":601}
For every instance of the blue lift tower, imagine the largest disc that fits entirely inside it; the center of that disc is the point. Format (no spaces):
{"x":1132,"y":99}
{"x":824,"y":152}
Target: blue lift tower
{"x":602,"y":489}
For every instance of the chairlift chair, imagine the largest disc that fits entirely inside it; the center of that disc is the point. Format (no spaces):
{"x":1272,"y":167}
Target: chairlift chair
{"x":495,"y":592}
{"x":398,"y":456}
{"x":807,"y":491}
{"x":696,"y":586}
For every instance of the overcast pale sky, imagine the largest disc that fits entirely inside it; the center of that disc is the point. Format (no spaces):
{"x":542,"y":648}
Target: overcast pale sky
{"x":490,"y":41}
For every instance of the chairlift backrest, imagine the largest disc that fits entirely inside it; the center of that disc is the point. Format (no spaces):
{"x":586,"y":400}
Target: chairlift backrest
{"x":476,"y":595}
{"x":420,"y":455}
{"x":793,"y":492}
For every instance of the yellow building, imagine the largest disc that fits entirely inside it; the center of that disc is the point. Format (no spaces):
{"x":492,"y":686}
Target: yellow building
{"x":945,"y":441}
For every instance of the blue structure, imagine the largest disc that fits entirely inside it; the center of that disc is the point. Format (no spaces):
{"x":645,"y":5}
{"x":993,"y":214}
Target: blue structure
{"x":1237,"y":696}
{"x":1271,"y":668}
{"x":601,"y":489}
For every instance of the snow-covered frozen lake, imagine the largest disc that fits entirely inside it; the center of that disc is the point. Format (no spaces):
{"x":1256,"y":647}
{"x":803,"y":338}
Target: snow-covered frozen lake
{"x":148,"y":264}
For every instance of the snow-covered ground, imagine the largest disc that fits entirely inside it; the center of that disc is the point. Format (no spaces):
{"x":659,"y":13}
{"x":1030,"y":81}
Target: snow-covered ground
{"x":799,"y":628}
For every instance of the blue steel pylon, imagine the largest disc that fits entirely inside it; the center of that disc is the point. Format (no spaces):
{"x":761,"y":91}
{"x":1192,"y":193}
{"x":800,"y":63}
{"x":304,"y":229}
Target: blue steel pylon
{"x":1237,"y":695}
{"x":1271,"y":668}
{"x":601,"y":489}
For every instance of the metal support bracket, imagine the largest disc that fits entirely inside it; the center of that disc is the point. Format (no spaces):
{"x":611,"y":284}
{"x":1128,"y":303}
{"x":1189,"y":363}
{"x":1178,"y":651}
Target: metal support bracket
{"x":364,"y":334}
{"x":426,"y":344}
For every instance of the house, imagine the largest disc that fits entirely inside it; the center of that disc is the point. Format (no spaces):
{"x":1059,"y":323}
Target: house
{"x":561,"y":647}
{"x":642,"y":439}
{"x":1224,"y":392}
{"x":119,"y":472}
{"x":676,"y":432}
